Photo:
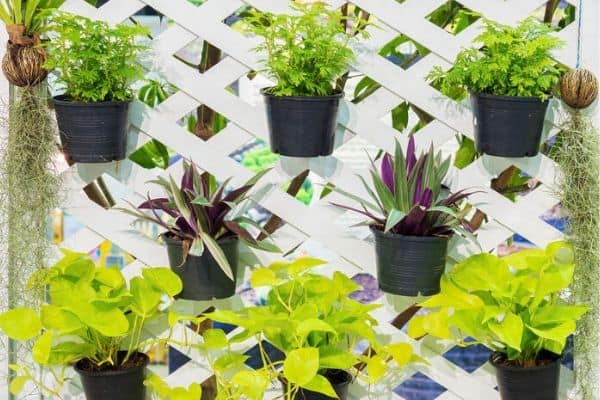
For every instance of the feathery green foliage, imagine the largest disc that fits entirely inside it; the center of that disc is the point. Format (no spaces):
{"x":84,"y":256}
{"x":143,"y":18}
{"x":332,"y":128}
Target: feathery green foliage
{"x":511,"y":61}
{"x":306,"y":51}
{"x":94,"y":61}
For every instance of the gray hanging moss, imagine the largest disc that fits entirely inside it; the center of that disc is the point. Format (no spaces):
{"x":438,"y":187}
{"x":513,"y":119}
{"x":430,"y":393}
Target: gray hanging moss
{"x":29,"y":190}
{"x":578,"y":154}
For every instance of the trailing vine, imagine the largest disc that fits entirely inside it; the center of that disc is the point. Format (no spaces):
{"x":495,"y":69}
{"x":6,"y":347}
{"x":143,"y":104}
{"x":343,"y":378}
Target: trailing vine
{"x":578,"y":153}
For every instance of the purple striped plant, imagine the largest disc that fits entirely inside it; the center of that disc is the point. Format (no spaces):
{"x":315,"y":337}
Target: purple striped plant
{"x":200,"y":213}
{"x":407,"y":195}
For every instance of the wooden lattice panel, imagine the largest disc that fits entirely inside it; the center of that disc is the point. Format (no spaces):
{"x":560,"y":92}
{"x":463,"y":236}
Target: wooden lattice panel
{"x":362,"y":121}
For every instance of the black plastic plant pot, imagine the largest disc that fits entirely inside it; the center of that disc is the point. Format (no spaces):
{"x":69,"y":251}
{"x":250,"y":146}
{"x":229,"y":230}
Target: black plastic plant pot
{"x":508,"y":126}
{"x":302,"y":126}
{"x":92,"y":132}
{"x":534,"y":383}
{"x":126,"y":383}
{"x":340,"y":380}
{"x":202,"y":277}
{"x":409,"y":265}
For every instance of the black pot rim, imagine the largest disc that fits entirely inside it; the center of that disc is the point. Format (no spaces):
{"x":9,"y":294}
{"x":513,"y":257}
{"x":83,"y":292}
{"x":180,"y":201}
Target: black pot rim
{"x":515,"y":368}
{"x":179,"y":242}
{"x":501,"y":97}
{"x":123,"y":371}
{"x":337,"y":95}
{"x":347,"y":375}
{"x":63,"y":99}
{"x":408,"y":238}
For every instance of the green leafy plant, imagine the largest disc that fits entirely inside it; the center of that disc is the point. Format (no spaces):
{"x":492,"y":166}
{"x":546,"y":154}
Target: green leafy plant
{"x":512,"y":61}
{"x":407,"y":195}
{"x":164,"y":392}
{"x":92,"y":315}
{"x":305,"y":51}
{"x":511,"y":304}
{"x":200,"y":212}
{"x":317,"y":326}
{"x":95,"y":62}
{"x":32,"y":14}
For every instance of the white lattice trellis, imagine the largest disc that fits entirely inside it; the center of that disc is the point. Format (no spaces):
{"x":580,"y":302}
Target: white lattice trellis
{"x":363,"y":120}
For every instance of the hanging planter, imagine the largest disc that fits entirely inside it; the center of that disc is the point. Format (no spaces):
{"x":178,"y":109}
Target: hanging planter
{"x":409,"y":265}
{"x":513,"y":306}
{"x":411,"y":220}
{"x":94,"y":321}
{"x":533,"y":383}
{"x":508,"y":126}
{"x":305,"y":53}
{"x":204,"y":279}
{"x":92,"y":132}
{"x":124,"y":383}
{"x":97,"y":71}
{"x":202,"y":244}
{"x":302,"y":126}
{"x":510,"y":75}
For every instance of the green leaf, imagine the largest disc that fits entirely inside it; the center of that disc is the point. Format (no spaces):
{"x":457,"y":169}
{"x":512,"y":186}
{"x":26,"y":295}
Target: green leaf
{"x":216,"y":251}
{"x":111,"y":277}
{"x":333,"y":358}
{"x":302,"y":264}
{"x":509,"y":331}
{"x":41,"y":349}
{"x":555,"y":314}
{"x":558,"y":333}
{"x":263,"y":277}
{"x":17,"y":384}
{"x":376,"y":368}
{"x":164,"y":280}
{"x":201,"y":200}
{"x":215,"y":338}
{"x":384,"y":194}
{"x":20,"y":323}
{"x":301,"y":365}
{"x":483,"y":272}
{"x":229,"y":361}
{"x":313,"y":325}
{"x":320,"y":384}
{"x":253,"y":384}
{"x":145,"y":298}
{"x":393,"y":218}
{"x":153,"y":154}
{"x":62,"y":321}
{"x":402,"y":353}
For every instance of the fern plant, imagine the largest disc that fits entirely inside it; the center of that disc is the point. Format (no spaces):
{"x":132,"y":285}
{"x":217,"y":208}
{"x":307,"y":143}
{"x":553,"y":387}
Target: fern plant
{"x":511,"y":61}
{"x":306,"y":51}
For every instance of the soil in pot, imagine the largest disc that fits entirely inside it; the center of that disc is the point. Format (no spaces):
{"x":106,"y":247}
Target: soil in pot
{"x":340,"y":380}
{"x":123,"y":383}
{"x":508,"y":126}
{"x":302,"y":126}
{"x":92,"y":132}
{"x":539,"y":382}
{"x":202,"y":277}
{"x":409,"y":265}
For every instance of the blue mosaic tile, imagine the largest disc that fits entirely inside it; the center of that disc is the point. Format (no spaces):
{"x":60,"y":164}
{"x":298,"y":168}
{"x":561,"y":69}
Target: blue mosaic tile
{"x":567,"y":359}
{"x":176,"y":359}
{"x":468,"y":358}
{"x":419,"y":387}
{"x":255,"y":362}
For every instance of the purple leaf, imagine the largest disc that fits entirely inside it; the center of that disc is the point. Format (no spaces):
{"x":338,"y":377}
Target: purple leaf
{"x":426,"y":198}
{"x":411,"y":158}
{"x":418,"y":187}
{"x":413,"y":223}
{"x":160,"y":204}
{"x":456,"y":197}
{"x":387,"y":172}
{"x":187,"y":180}
{"x":185,"y":227}
{"x":364,"y":212}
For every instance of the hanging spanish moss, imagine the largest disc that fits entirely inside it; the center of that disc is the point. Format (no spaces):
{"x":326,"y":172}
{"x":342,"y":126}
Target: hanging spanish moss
{"x":29,"y":188}
{"x":579,"y":189}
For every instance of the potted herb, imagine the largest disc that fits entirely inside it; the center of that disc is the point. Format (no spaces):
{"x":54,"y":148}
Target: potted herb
{"x":23,"y":63}
{"x":513,"y":306}
{"x":95,"y":321}
{"x":412,"y":218}
{"x":96,"y":64}
{"x":510,"y":78}
{"x":316,"y":326}
{"x":202,"y":235}
{"x":305,"y":53}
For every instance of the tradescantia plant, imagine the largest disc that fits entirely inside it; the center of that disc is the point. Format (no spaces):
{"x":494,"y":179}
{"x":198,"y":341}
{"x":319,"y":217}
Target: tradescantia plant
{"x":511,"y":61}
{"x":200,"y":213}
{"x":93,"y":316}
{"x":312,"y":320}
{"x":510,"y":304}
{"x":407,"y":196}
